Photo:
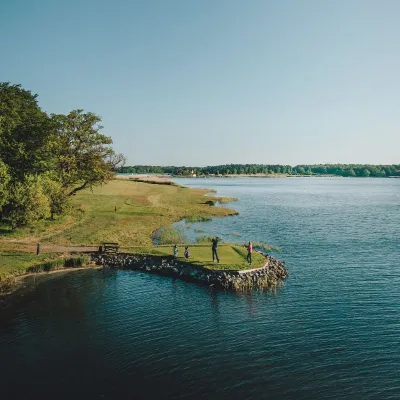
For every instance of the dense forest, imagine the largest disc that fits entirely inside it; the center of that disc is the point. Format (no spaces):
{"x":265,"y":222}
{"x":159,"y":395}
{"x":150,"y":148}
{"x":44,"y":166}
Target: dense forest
{"x":46,"y":158}
{"x":348,"y":170}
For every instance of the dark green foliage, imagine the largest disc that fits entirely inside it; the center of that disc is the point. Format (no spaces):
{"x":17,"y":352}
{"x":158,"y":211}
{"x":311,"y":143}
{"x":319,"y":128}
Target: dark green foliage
{"x":25,"y":132}
{"x":71,"y":262}
{"x":44,"y":160}
{"x":4,"y":179}
{"x":83,"y":155}
{"x":351,"y":170}
{"x":27,"y":202}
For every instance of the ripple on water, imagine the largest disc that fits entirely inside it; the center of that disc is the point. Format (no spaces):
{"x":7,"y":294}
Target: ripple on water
{"x":331,"y":331}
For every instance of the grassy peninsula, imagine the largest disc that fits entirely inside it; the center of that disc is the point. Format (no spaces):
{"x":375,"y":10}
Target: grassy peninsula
{"x":122,"y":211}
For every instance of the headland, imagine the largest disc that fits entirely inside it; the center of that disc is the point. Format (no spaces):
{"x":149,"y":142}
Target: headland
{"x":127,"y":212}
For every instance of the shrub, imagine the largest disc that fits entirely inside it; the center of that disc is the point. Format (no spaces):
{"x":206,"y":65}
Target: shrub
{"x":170,"y":235}
{"x":198,"y":218}
{"x":224,"y":200}
{"x":28,"y":203}
{"x":204,"y":239}
{"x":265,"y":246}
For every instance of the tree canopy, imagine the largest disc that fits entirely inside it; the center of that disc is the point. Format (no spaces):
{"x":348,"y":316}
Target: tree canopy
{"x":25,"y":132}
{"x":44,"y":159}
{"x":84,"y":156}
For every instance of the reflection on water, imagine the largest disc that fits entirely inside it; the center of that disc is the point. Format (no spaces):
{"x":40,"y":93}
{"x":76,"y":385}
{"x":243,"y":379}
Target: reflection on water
{"x":331,"y":331}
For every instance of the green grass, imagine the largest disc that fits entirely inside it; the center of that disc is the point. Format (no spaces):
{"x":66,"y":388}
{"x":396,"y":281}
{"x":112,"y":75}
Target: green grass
{"x":141,"y":209}
{"x":231,"y":257}
{"x":15,"y":263}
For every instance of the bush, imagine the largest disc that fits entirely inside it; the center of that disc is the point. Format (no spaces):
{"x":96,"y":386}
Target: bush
{"x":198,"y":218}
{"x":224,"y":200}
{"x":4,"y":179}
{"x":265,"y":246}
{"x":170,"y":235}
{"x":27,"y":203}
{"x":71,"y":262}
{"x":204,"y":239}
{"x":59,"y":200}
{"x":75,"y":262}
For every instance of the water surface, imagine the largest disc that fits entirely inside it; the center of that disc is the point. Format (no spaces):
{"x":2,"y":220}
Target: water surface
{"x":332,"y":331}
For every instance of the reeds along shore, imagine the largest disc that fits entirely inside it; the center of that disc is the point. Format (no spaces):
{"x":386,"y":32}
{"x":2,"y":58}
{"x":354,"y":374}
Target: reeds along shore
{"x":269,"y":275}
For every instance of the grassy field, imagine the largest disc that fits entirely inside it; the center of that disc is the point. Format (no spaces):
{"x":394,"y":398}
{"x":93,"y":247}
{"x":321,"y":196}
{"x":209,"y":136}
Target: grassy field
{"x":141,"y":208}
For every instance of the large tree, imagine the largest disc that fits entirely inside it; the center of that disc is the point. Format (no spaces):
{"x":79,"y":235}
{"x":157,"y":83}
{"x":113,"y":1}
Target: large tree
{"x":4,"y":179}
{"x":25,"y":132}
{"x":84,"y":156}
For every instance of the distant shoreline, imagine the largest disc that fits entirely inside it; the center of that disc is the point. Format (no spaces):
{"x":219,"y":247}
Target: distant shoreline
{"x":166,"y":179}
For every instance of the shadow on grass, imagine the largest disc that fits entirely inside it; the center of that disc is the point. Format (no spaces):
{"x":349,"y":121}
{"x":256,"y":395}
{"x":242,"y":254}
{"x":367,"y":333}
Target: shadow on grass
{"x":5,"y":231}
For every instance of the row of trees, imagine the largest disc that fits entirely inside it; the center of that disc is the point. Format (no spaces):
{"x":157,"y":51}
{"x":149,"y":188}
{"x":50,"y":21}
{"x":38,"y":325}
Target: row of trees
{"x":353,"y":170}
{"x":45,"y":159}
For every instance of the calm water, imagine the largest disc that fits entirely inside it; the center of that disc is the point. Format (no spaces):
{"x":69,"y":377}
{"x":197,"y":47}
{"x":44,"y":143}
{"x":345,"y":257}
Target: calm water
{"x":332,"y":331}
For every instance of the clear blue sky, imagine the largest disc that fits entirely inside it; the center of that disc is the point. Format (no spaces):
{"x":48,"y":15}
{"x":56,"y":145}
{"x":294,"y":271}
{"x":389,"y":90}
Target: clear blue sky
{"x":202,"y":82}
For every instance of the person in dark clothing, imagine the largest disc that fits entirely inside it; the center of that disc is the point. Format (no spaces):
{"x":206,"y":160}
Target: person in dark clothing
{"x":249,"y":252}
{"x":186,"y":253}
{"x":214,"y":242}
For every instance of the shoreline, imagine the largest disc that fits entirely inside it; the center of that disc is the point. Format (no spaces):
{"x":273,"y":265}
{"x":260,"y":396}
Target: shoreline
{"x":17,"y":287}
{"x":269,"y":275}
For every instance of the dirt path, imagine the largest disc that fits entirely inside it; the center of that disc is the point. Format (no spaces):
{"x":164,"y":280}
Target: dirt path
{"x":67,"y":249}
{"x":48,"y":248}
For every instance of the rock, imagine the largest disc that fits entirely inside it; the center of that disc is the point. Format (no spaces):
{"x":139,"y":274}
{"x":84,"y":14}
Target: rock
{"x":273,"y":271}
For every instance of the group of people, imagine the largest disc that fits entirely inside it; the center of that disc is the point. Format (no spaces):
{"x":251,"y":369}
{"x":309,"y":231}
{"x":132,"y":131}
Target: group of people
{"x":214,"y":248}
{"x":186,"y":253}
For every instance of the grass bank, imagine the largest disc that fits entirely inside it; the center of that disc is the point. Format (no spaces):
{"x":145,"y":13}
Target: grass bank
{"x":140,"y":207}
{"x":17,"y":263}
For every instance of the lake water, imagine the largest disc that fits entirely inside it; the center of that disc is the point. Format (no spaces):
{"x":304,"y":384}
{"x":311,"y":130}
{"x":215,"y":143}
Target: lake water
{"x":331,"y":332}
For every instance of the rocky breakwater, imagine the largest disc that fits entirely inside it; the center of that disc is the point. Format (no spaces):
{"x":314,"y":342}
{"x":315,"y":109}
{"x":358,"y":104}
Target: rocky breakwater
{"x":269,"y":275}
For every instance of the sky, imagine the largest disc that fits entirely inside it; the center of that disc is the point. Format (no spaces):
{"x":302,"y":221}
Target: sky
{"x":207,"y":82}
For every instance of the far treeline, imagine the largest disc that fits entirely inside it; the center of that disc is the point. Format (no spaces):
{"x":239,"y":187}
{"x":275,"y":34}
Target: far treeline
{"x":46,"y":158}
{"x":351,"y":170}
